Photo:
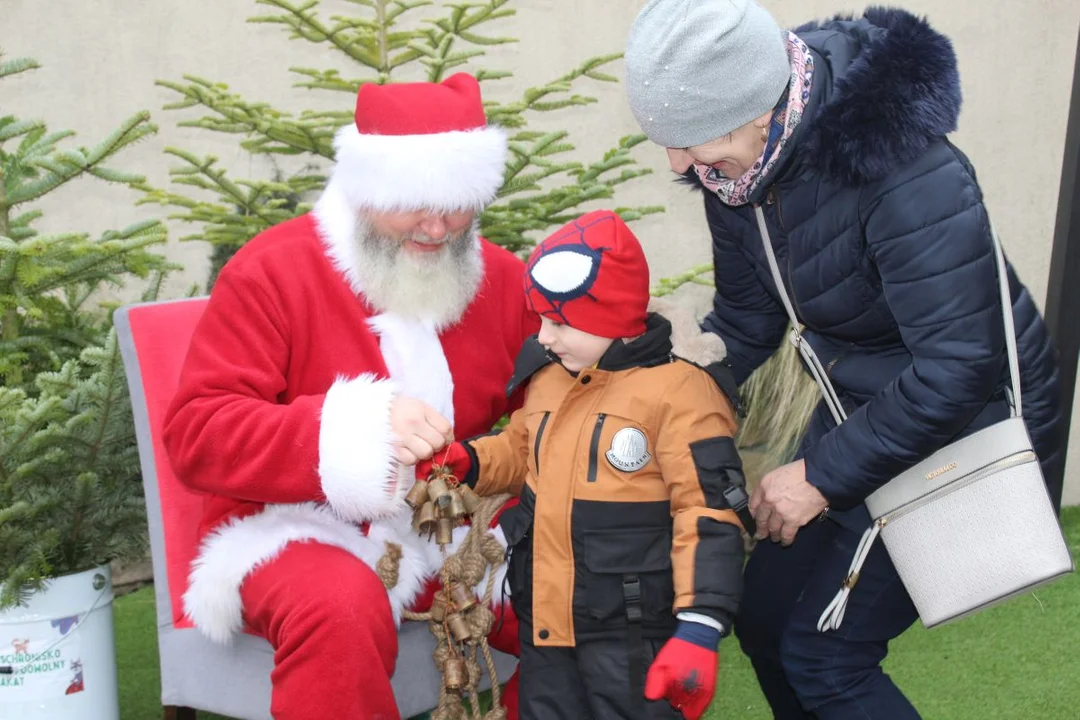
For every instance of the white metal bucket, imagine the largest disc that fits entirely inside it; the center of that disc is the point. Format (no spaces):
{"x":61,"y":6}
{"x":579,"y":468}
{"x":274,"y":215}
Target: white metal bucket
{"x":58,"y":655}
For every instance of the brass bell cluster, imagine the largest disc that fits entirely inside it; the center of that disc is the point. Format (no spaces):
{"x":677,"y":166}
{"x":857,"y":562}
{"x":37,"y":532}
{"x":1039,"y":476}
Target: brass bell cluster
{"x":451,"y":608}
{"x":440,"y":504}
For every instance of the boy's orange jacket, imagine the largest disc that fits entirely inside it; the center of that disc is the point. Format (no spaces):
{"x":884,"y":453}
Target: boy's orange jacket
{"x":622,"y":474}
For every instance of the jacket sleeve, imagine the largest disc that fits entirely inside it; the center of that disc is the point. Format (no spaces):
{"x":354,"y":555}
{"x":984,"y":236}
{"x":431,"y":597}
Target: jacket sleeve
{"x":227,"y":431}
{"x":751,"y":322}
{"x":929,"y":238}
{"x":695,"y":448}
{"x":502,"y":458}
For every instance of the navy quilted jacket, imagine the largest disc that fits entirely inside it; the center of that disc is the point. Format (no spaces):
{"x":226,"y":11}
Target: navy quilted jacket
{"x":880,"y":231}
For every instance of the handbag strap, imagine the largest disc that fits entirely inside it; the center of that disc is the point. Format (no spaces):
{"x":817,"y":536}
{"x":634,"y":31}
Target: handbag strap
{"x":832,"y":400}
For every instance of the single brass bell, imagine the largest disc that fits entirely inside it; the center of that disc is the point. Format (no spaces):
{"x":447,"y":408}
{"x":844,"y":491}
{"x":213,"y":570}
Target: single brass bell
{"x":438,"y":608}
{"x":462,"y":597}
{"x":425,"y":519}
{"x":444,"y":531}
{"x":455,"y":675}
{"x":457,"y":505}
{"x":440,"y":495}
{"x":469,"y":498}
{"x":418,"y":494}
{"x":459,"y":628}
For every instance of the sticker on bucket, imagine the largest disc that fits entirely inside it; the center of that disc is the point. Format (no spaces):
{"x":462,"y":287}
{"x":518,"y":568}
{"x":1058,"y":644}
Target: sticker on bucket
{"x":43,"y":664}
{"x":58,"y":652}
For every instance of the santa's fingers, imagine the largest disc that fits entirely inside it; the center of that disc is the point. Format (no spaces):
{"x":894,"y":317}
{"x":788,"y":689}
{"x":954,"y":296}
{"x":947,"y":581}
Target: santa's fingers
{"x":409,"y":416}
{"x":439,"y":423}
{"x":405,"y":456}
{"x":420,"y":447}
{"x":431,"y":436}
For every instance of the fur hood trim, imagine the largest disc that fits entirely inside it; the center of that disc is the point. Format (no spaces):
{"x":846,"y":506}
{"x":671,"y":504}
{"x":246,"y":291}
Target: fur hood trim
{"x":899,"y":93}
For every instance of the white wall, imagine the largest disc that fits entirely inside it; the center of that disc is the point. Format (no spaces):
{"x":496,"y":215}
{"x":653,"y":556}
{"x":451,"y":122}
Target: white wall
{"x":101,"y":59}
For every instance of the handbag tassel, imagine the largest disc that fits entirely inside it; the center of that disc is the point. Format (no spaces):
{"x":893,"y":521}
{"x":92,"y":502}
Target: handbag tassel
{"x":834,"y":613}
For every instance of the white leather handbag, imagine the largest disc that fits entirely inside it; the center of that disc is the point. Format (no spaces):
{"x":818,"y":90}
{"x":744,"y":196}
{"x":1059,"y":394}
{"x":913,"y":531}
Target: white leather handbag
{"x":969,"y":526}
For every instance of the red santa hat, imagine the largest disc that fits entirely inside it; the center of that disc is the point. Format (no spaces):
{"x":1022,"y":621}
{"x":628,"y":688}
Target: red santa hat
{"x":591,"y":274}
{"x":420,"y":146}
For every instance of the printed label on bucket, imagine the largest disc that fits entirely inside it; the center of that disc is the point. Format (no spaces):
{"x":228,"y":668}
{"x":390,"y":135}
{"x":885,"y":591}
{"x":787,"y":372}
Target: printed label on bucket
{"x":44,"y":661}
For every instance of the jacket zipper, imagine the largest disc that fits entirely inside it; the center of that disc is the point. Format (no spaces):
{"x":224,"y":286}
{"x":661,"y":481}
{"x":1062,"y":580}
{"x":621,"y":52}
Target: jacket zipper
{"x":539,"y":437}
{"x":1024,"y":456}
{"x":773,"y":198}
{"x":594,"y":447}
{"x":836,"y":358}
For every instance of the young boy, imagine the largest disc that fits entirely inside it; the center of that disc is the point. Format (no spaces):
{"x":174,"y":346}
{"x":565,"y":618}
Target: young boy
{"x":626,"y":550}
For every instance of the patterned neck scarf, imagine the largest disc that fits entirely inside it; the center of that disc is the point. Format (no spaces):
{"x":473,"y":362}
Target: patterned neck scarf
{"x":785,"y":118}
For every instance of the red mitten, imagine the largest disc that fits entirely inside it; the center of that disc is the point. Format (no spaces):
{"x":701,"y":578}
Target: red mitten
{"x":684,"y":671}
{"x":454,"y":456}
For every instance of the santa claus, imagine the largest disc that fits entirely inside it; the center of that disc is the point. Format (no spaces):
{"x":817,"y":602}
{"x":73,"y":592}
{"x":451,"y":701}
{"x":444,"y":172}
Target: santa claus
{"x":336,"y":350}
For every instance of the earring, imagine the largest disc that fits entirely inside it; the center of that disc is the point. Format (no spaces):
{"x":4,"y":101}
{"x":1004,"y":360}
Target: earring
{"x":764,"y":135}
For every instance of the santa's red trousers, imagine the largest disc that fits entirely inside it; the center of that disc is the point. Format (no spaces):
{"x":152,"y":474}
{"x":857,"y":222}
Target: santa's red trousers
{"x":328,"y":618}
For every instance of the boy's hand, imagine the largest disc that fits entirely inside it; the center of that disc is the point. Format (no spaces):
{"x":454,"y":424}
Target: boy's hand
{"x":684,"y":671}
{"x":456,"y":457}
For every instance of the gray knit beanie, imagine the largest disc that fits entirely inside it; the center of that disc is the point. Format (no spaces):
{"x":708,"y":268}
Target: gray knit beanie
{"x":698,"y":69}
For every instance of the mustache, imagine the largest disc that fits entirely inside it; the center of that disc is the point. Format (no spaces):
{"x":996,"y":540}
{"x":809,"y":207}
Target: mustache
{"x":456,"y":241}
{"x":421,"y":239}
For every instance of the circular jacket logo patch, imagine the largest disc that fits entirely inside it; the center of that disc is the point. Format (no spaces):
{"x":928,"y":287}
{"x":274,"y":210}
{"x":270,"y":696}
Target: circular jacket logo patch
{"x":629,"y":450}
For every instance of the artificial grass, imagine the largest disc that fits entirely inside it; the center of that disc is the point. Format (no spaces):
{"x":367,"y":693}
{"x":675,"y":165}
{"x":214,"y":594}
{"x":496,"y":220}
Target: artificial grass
{"x":1017,"y":660}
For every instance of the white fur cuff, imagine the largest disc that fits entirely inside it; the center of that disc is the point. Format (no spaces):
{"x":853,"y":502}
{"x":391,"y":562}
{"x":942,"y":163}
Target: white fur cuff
{"x":228,"y":554}
{"x":357,"y":461}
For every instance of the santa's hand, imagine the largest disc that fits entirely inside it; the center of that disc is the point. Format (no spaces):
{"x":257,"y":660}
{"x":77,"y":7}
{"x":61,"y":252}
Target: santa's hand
{"x":419,"y":431}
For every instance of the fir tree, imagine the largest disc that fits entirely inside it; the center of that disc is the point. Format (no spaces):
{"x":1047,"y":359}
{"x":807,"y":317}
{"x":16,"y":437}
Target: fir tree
{"x":384,"y":41}
{"x":69,"y":490}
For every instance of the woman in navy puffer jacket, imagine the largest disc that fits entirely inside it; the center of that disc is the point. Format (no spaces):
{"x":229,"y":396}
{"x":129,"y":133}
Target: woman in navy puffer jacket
{"x":884,"y":244}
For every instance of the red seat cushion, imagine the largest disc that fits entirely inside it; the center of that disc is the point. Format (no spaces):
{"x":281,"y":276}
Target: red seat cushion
{"x":161,"y":333}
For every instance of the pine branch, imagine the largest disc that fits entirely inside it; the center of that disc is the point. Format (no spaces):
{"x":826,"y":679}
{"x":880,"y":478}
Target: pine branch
{"x":110,"y":374}
{"x":16,"y":66}
{"x":435,"y":46}
{"x":345,"y":35}
{"x":12,"y":128}
{"x":510,"y":114}
{"x":45,"y":264}
{"x":327,"y":80}
{"x":65,"y":165}
{"x":668,"y":285}
{"x":311,"y":133}
{"x":24,"y":417}
{"x":152,"y":293}
{"x":247,"y":207}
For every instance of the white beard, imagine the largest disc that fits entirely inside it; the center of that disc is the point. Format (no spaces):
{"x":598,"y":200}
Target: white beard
{"x":435,"y":287}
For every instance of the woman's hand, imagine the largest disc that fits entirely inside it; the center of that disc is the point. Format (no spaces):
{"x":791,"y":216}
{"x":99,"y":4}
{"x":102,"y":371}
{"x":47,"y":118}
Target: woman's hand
{"x":784,"y":502}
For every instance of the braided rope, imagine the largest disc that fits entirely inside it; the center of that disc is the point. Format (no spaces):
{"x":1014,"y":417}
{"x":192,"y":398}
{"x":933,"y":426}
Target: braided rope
{"x":477,"y":554}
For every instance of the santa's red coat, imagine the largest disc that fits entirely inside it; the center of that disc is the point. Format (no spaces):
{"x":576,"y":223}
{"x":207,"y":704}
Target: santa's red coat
{"x":282,"y":414}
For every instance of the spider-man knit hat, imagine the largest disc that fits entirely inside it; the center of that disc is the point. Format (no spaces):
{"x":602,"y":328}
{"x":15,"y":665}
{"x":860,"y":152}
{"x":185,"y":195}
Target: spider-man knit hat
{"x":591,"y":274}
